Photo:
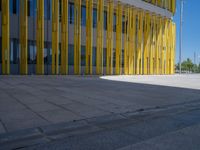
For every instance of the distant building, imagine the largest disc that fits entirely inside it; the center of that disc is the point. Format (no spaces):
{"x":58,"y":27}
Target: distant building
{"x":87,"y":37}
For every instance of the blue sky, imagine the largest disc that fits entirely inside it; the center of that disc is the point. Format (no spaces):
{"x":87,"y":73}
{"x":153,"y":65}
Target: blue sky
{"x":191,"y":29}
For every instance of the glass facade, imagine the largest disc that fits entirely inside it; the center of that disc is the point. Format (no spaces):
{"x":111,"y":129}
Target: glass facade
{"x":32,"y":49}
{"x":0,"y":50}
{"x":166,"y":4}
{"x":14,"y":7}
{"x":47,"y":9}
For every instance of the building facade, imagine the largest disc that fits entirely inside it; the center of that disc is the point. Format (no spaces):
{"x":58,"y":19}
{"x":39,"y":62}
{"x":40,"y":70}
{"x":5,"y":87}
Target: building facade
{"x":112,"y":37}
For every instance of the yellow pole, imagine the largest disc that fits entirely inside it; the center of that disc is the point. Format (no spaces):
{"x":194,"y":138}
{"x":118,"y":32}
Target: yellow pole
{"x":164,"y":46}
{"x":153,"y":1}
{"x":157,"y":46}
{"x":159,"y":42}
{"x":23,"y":37}
{"x":89,"y":35}
{"x":174,"y":44}
{"x":170,"y":46}
{"x":169,"y":5}
{"x":100,"y":25}
{"x":126,"y":41}
{"x":173,"y":47}
{"x":139,"y":43}
{"x":109,"y":52}
{"x":64,"y":37}
{"x":159,"y":3}
{"x":131,"y":44}
{"x":77,"y":37}
{"x":55,"y":36}
{"x":151,"y":59}
{"x":40,"y":37}
{"x":154,"y":45}
{"x":167,"y":45}
{"x":118,"y":64}
{"x":173,"y":6}
{"x":5,"y":37}
{"x":146,"y":42}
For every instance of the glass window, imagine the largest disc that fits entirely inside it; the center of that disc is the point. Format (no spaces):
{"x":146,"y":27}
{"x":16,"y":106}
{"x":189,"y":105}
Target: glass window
{"x":122,"y":57}
{"x":71,"y":13}
{"x":114,"y":57}
{"x":45,"y":54}
{"x":123,"y":24}
{"x":14,"y":9}
{"x":31,"y":57}
{"x":32,"y":4}
{"x":59,"y":54}
{"x":47,"y":9}
{"x":94,"y":56}
{"x":105,"y":20}
{"x":0,"y":51}
{"x":94,"y":17}
{"x":83,"y":61}
{"x":0,"y":5}
{"x":11,"y":51}
{"x":83,"y":16}
{"x":114,"y":23}
{"x":29,"y":5}
{"x":104,"y":56}
{"x":14,"y":6}
{"x":30,"y":52}
{"x":71,"y":55}
{"x":60,"y":10}
{"x":14,"y":51}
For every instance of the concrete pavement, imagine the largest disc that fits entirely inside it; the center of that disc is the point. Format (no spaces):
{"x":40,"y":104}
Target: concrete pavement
{"x":184,"y":139}
{"x":190,"y":81}
{"x":30,"y":105}
{"x":169,"y":128}
{"x":31,"y":101}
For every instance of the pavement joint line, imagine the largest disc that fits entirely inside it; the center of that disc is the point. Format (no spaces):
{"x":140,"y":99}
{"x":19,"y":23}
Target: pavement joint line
{"x":42,"y":133}
{"x":71,"y":135}
{"x":86,"y":96}
{"x":167,"y":133}
{"x":28,"y":108}
{"x":64,"y":108}
{"x":4,"y":126}
{"x":166,"y":107}
{"x":76,"y":113}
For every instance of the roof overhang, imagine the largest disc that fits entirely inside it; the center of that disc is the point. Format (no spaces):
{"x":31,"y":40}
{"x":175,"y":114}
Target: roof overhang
{"x":148,"y":7}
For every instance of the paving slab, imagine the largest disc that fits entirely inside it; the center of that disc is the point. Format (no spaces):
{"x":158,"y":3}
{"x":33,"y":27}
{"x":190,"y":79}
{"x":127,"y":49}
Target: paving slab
{"x":2,"y":129}
{"x":184,"y":139}
{"x":56,"y":99}
{"x":58,"y":115}
{"x":182,"y":81}
{"x":136,"y":130}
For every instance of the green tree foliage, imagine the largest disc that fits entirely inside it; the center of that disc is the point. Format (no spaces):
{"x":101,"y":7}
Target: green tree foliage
{"x":188,"y":66}
{"x":198,"y":68}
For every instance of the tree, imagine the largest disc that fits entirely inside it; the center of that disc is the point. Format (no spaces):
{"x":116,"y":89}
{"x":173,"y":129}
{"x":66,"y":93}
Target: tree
{"x":199,"y":68}
{"x":188,"y":66}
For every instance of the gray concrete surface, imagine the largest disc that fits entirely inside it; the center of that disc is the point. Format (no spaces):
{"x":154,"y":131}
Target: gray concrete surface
{"x":190,"y":81}
{"x":31,"y":101}
{"x":33,"y":105}
{"x":169,"y":128}
{"x":184,"y":139}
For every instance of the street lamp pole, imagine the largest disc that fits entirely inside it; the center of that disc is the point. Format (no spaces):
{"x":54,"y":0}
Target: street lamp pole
{"x":199,"y":59}
{"x":181,"y":27}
